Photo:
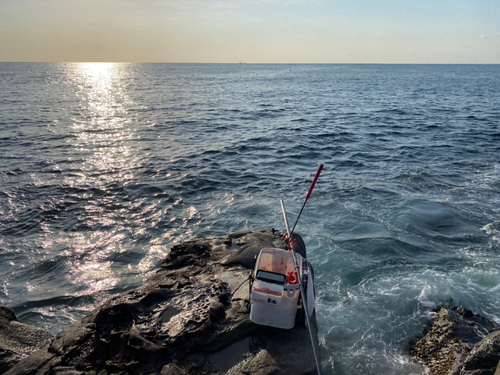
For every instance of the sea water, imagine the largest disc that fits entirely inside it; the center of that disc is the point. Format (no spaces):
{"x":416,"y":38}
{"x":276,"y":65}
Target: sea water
{"x":104,"y":167}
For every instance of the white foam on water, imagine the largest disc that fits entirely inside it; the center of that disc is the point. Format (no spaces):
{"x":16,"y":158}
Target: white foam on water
{"x":493,"y":230}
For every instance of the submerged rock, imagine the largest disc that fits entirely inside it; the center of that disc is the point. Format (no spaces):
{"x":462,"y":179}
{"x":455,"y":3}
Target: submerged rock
{"x":190,"y":317}
{"x":459,"y":343}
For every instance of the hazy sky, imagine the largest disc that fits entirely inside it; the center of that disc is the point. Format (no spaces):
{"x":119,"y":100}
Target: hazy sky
{"x":267,"y":31}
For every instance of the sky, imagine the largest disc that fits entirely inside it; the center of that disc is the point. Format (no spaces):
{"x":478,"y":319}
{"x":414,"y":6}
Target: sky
{"x":251,"y":31}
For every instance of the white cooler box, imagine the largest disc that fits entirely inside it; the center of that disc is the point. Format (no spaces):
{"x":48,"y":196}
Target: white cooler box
{"x":275,"y":290}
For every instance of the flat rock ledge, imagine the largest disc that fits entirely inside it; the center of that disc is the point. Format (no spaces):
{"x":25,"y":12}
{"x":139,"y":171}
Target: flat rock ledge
{"x":459,"y":343}
{"x":191,"y":317}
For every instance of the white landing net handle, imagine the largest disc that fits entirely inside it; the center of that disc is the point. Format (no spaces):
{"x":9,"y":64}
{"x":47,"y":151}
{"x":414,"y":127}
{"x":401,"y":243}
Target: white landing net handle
{"x":302,"y":292}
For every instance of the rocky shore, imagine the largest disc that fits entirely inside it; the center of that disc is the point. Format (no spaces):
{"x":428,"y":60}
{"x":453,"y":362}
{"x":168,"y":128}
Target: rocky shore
{"x":459,"y":343}
{"x":191,"y":317}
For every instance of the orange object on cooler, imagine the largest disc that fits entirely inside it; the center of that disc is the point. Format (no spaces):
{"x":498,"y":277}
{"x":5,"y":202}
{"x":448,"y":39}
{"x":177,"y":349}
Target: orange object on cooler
{"x":292,"y":278}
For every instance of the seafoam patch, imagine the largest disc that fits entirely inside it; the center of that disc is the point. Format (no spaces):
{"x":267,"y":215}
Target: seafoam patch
{"x":493,"y":230}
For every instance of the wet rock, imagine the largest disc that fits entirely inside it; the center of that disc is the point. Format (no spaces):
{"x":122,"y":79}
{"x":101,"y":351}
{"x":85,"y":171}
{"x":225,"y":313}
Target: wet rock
{"x":18,"y":340}
{"x":190,"y":317}
{"x":459,"y":343}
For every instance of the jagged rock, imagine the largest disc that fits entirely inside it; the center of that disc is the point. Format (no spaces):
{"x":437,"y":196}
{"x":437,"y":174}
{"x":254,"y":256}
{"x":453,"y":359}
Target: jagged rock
{"x":18,"y":340}
{"x":450,"y":346}
{"x":483,"y":358}
{"x":190,"y":317}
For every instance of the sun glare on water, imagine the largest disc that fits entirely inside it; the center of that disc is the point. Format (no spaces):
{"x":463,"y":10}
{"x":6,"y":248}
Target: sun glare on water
{"x":101,"y":121}
{"x":103,"y":135}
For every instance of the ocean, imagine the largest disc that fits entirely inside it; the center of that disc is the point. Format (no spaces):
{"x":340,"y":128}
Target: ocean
{"x":104,"y":167}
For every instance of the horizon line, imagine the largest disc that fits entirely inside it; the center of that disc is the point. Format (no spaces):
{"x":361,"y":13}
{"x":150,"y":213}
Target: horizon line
{"x":247,"y":63}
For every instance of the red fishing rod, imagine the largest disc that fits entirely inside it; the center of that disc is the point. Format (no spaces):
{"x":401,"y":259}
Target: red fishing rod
{"x":320,"y":168}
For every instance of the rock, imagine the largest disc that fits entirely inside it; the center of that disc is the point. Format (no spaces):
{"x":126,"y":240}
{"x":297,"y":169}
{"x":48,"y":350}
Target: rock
{"x":18,"y":340}
{"x":190,"y":317}
{"x":261,"y":363}
{"x":483,"y":358}
{"x":450,"y":346}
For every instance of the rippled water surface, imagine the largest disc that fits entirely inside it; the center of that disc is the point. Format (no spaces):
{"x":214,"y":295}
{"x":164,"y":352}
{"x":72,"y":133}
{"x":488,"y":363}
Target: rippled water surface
{"x":104,"y":167}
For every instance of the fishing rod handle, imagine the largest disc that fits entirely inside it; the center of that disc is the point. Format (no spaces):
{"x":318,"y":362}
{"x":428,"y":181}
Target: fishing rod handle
{"x":284,"y":217}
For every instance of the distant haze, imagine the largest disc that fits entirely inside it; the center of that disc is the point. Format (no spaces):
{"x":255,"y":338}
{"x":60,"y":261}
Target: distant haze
{"x":252,"y":31}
